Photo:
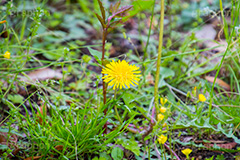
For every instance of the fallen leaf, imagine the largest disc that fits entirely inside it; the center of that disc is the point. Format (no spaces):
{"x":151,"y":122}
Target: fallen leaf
{"x":42,"y":113}
{"x":222,"y":46}
{"x":150,"y":79}
{"x":220,"y":82}
{"x":187,"y":139}
{"x":230,"y":145}
{"x":207,"y":32}
{"x":43,"y":74}
{"x":31,"y":158}
{"x":59,"y":147}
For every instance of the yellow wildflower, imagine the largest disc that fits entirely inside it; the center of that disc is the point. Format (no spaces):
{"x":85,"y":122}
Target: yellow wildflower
{"x":186,"y":152}
{"x":4,"y":21}
{"x":120,"y":74}
{"x":164,"y":124}
{"x":7,"y":55}
{"x":160,"y":117}
{"x":195,"y":88}
{"x":163,"y":109}
{"x":163,"y":101}
{"x":162,"y":139}
{"x":201,"y":98}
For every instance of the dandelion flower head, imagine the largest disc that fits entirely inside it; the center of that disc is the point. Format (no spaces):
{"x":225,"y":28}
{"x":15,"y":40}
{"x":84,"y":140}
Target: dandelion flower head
{"x":163,"y":109}
{"x":201,"y":98}
{"x":186,"y":152}
{"x":162,"y":139}
{"x":7,"y":55}
{"x":160,"y":117}
{"x":120,"y":74}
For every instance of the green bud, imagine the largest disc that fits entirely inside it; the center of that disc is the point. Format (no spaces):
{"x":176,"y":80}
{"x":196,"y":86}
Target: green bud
{"x":86,"y":58}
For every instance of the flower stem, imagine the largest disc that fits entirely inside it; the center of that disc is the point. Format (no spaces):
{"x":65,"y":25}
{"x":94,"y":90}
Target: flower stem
{"x":159,"y":58}
{"x":104,"y":36}
{"x":115,"y":107}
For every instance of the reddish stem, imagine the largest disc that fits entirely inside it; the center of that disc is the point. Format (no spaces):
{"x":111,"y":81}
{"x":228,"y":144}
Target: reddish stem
{"x":104,"y":36}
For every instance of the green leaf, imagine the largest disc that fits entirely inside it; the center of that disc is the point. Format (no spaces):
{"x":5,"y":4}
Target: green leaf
{"x":16,"y":98}
{"x":96,"y":54}
{"x":104,"y":155}
{"x":117,"y":153}
{"x":132,"y":145}
{"x":95,"y":158}
{"x":166,"y":72}
{"x":128,"y":98}
{"x":3,"y":147}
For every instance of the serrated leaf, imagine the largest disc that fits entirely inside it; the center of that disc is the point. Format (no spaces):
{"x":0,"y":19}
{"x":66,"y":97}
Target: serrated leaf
{"x":101,"y":20}
{"x":102,"y":9}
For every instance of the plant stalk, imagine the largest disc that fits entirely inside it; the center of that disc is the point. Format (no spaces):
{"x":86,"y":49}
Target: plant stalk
{"x":104,"y":36}
{"x":160,"y":43}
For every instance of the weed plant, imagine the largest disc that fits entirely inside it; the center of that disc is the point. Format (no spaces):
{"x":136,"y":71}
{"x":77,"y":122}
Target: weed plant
{"x":133,"y":106}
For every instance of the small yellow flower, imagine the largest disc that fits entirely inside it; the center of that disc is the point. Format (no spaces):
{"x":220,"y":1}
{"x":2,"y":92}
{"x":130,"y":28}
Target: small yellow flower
{"x":201,"y":98}
{"x":120,"y":74}
{"x":160,"y":117}
{"x":186,"y":152}
{"x":195,"y":88}
{"x":4,"y":21}
{"x":163,"y":100}
{"x":7,"y":55}
{"x":163,"y":109}
{"x":164,"y":124}
{"x":162,"y":139}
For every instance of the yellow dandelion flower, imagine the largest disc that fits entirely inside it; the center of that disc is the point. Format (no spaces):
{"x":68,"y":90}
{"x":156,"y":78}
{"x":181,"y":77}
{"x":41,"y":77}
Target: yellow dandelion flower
{"x":7,"y":55}
{"x":163,"y":109}
{"x":186,"y":152}
{"x":162,"y":139}
{"x":163,"y":100}
{"x":4,"y":21}
{"x":201,"y":98}
{"x":160,"y":117}
{"x":120,"y":74}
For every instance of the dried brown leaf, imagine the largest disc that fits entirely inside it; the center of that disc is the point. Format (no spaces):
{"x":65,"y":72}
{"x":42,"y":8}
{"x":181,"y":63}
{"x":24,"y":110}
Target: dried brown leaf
{"x":43,"y":74}
{"x":59,"y":147}
{"x":219,"y":82}
{"x":207,"y":32}
{"x":33,"y":158}
{"x":230,"y":145}
{"x":42,"y":112}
